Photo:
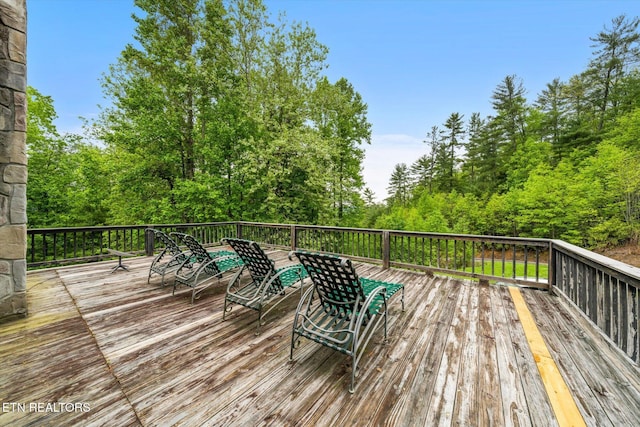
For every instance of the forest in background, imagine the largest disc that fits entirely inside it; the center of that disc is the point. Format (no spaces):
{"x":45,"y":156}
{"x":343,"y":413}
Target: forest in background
{"x":219,"y":112}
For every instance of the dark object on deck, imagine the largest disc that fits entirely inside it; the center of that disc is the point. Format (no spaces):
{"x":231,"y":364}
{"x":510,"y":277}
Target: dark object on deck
{"x":266,"y":283}
{"x":119,"y":254}
{"x":202,"y":265}
{"x":341,"y":310}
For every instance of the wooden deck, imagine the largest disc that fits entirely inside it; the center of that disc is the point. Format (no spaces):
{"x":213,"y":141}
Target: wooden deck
{"x":109,"y":349}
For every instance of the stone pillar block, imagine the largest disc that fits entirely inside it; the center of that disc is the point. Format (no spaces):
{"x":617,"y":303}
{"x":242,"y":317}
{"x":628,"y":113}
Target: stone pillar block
{"x":18,"y":212}
{"x":13,"y":147}
{"x":13,"y":158}
{"x":14,"y":14}
{"x":15,"y":174}
{"x":17,"y":41}
{"x":20,"y":275}
{"x":13,"y":75}
{"x":6,"y":285}
{"x":14,"y":238}
{"x":20,"y":112}
{"x":6,"y":118}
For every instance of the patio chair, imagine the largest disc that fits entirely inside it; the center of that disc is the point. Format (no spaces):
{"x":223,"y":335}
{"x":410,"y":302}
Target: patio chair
{"x":341,"y":310}
{"x":202,"y":265}
{"x":266,"y":282}
{"x":169,"y":259}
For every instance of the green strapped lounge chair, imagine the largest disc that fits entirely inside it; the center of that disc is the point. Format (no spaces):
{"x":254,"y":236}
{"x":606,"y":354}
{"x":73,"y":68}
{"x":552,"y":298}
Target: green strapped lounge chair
{"x":265,"y":282}
{"x":202,"y":265}
{"x":341,"y":310}
{"x":169,"y":259}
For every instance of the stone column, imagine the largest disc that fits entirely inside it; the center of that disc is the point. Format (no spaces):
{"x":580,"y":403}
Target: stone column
{"x":13,"y":159}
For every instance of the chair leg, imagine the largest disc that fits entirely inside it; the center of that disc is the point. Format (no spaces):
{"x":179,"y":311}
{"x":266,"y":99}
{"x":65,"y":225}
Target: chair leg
{"x":385,"y":341}
{"x":259,"y":320}
{"x":352,"y":389}
{"x":293,"y":343}
{"x":293,"y":336}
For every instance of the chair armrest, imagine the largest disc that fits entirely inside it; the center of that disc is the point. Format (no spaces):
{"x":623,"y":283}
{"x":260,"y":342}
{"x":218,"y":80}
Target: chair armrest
{"x":380,"y":291}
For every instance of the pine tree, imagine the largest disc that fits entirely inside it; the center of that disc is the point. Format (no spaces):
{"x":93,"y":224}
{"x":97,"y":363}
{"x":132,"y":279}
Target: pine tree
{"x":551,"y":102}
{"x":399,"y":185}
{"x":510,"y":105}
{"x":473,"y":152}
{"x":452,"y":140}
{"x":616,"y":48}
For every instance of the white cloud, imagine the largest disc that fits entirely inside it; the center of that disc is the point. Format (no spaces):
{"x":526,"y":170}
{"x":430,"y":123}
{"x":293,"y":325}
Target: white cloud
{"x":383,"y":154}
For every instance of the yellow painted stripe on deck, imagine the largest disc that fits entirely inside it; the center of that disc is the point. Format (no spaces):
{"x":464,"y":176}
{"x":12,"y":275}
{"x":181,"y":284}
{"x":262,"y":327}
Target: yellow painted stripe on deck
{"x":562,"y":402}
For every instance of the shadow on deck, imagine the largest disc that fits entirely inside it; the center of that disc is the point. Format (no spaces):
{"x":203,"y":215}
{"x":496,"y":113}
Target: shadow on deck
{"x":109,"y":349}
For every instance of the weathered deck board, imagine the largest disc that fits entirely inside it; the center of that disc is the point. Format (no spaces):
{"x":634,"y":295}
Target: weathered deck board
{"x":490,"y":404}
{"x":466,"y":408}
{"x":539,"y":414}
{"x":137,"y":355}
{"x":607,"y":396}
{"x":52,"y":357}
{"x":514,"y":403}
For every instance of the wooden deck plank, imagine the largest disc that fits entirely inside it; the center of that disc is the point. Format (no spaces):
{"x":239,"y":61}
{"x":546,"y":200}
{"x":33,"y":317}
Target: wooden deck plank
{"x":539,"y":407}
{"x":563,"y":403}
{"x":466,"y":408}
{"x":457,"y":356}
{"x":446,"y":377}
{"x":429,"y":359}
{"x":51,"y":358}
{"x":490,"y":410}
{"x":592,"y":372}
{"x":514,"y":402}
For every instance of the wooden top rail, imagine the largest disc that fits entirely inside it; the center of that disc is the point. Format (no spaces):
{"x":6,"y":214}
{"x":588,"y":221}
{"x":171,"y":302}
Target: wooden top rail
{"x":601,"y":262}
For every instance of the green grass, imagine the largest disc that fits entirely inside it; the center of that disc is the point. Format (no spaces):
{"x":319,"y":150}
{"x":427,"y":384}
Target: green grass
{"x":543,"y":270}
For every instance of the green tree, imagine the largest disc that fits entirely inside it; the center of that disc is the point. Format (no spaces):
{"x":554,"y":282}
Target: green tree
{"x":509,"y":102}
{"x":530,"y":154}
{"x":553,"y":204}
{"x":472,"y":158}
{"x":156,"y":91}
{"x":552,"y":103}
{"x":51,"y":165}
{"x":340,"y":116}
{"x":578,"y":129}
{"x":69,"y":180}
{"x":203,"y":108}
{"x":489,"y":163}
{"x":451,"y":140}
{"x":399,"y":185}
{"x":423,"y":171}
{"x":90,"y":188}
{"x":613,"y":175}
{"x":616,"y":48}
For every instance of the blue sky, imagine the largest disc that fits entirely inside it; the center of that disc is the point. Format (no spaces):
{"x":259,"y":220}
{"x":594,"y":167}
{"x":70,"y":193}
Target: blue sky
{"x":414,"y":62}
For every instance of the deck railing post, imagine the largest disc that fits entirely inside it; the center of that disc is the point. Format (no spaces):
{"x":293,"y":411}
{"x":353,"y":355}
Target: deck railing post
{"x":149,"y":242}
{"x":238,"y":230}
{"x":551,"y":269}
{"x":386,"y":249}
{"x":294,"y":237}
